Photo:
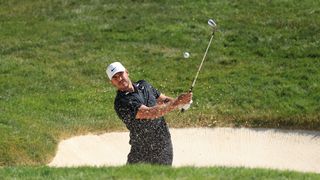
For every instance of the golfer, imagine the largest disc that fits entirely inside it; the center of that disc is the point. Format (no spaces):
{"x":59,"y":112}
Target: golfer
{"x":142,"y":107}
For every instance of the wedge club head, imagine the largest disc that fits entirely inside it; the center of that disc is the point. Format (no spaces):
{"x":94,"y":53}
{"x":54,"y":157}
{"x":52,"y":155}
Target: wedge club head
{"x":212,"y":23}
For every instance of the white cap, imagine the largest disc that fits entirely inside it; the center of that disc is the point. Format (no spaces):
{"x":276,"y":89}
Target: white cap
{"x":114,"y":68}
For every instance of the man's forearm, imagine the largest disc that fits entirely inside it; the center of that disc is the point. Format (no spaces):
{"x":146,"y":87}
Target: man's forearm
{"x":159,"y":110}
{"x":164,"y":99}
{"x":155,"y":111}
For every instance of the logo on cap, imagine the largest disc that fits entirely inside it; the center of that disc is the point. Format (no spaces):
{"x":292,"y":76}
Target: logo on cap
{"x":114,"y":68}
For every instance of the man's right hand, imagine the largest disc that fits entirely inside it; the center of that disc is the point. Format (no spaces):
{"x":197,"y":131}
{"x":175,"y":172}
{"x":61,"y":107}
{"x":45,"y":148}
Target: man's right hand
{"x":183,"y":99}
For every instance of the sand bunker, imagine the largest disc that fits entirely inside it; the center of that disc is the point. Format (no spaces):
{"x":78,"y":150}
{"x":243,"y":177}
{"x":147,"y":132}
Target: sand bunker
{"x":264,"y":148}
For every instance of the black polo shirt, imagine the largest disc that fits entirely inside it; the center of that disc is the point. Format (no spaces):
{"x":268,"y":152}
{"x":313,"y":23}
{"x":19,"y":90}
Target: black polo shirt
{"x":150,"y":139}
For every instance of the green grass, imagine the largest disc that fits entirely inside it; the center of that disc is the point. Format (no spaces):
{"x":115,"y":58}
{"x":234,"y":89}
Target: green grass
{"x":262,"y":70}
{"x":149,"y":172}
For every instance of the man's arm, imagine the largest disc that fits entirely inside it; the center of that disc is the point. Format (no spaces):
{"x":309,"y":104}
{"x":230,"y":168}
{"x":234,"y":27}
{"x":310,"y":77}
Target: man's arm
{"x":163,"y":99}
{"x":163,"y":107}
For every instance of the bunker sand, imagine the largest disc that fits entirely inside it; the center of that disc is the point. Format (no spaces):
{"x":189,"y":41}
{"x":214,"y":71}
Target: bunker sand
{"x":202,"y":147}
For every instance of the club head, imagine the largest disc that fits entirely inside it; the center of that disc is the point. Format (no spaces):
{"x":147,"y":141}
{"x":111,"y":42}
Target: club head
{"x":212,"y":24}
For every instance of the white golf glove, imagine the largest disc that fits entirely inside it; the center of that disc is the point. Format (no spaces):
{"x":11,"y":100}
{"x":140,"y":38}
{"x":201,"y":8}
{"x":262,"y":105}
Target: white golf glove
{"x":186,"y":106}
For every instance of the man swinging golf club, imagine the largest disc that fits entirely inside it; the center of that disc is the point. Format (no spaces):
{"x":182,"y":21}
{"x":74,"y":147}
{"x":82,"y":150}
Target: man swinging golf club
{"x":142,"y":107}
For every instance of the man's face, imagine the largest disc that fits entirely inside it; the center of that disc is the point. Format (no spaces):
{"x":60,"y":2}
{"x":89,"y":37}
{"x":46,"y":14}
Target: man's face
{"x":121,"y":80}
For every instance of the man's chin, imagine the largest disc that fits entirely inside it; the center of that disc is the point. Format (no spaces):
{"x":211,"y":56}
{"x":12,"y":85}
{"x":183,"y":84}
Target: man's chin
{"x":123,"y":87}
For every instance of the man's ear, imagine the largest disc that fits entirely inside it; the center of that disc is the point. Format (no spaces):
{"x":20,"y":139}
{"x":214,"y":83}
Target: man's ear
{"x":110,"y":82}
{"x":127,"y":72}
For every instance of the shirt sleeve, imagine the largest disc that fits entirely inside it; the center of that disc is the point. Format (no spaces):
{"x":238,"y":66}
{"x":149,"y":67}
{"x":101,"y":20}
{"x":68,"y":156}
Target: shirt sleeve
{"x":155,"y":92}
{"x":127,"y":109}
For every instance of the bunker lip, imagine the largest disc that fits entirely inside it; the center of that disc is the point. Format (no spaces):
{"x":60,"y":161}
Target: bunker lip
{"x":203,"y":147}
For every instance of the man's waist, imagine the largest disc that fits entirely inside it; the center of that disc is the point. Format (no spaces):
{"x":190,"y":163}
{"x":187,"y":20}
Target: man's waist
{"x":146,"y":137}
{"x":148,"y":144}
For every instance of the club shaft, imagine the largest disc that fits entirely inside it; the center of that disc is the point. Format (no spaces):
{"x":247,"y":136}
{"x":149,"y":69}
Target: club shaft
{"x":204,"y":57}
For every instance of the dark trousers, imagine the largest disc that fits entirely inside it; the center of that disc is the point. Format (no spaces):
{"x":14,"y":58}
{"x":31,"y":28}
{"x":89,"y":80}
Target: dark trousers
{"x":159,"y":155}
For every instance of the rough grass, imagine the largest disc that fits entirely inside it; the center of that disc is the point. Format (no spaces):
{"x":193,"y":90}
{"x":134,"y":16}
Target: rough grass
{"x":262,"y":70}
{"x":149,"y":172}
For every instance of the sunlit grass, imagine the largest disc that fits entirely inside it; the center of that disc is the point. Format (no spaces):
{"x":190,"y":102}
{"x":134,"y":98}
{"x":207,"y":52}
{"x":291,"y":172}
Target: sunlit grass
{"x":149,"y":172}
{"x":262,"y":69}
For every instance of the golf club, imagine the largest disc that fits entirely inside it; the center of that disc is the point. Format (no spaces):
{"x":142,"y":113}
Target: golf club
{"x":214,"y":27}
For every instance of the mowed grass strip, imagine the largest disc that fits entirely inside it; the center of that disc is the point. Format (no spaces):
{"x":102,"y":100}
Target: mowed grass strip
{"x":262,"y":70}
{"x":149,"y":172}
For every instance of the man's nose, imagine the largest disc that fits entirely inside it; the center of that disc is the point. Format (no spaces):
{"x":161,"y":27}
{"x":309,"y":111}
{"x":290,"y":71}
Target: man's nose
{"x":120,"y":78}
